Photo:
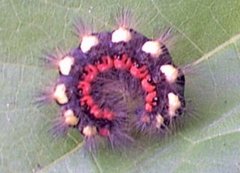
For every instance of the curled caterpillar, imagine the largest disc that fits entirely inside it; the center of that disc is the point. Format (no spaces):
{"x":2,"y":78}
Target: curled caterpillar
{"x":116,"y":82}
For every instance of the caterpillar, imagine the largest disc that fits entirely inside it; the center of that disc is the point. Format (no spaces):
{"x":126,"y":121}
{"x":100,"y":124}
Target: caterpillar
{"x":116,"y":82}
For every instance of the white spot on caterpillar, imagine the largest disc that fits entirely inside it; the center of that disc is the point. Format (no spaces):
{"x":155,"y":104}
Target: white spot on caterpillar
{"x":88,"y":42}
{"x":159,"y":121}
{"x":65,"y":65}
{"x":173,"y":104}
{"x":153,"y":48}
{"x":60,"y":94}
{"x":121,"y":34}
{"x":70,"y":118}
{"x":89,"y":131}
{"x":170,"y":72}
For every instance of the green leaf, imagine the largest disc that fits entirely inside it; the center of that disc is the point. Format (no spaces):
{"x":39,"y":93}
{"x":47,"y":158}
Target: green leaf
{"x":207,"y":38}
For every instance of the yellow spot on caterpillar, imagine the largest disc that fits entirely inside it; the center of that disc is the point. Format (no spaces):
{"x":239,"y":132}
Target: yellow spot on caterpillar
{"x":89,"y":131}
{"x":60,"y":94}
{"x":159,"y":121}
{"x":70,"y":118}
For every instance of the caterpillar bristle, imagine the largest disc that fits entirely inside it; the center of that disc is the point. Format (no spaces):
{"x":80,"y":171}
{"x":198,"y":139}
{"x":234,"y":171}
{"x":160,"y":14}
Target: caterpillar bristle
{"x":166,"y":35}
{"x":59,"y":128}
{"x":82,"y":28}
{"x":91,"y":144}
{"x":45,"y":96}
{"x":125,"y":19}
{"x":119,"y":139}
